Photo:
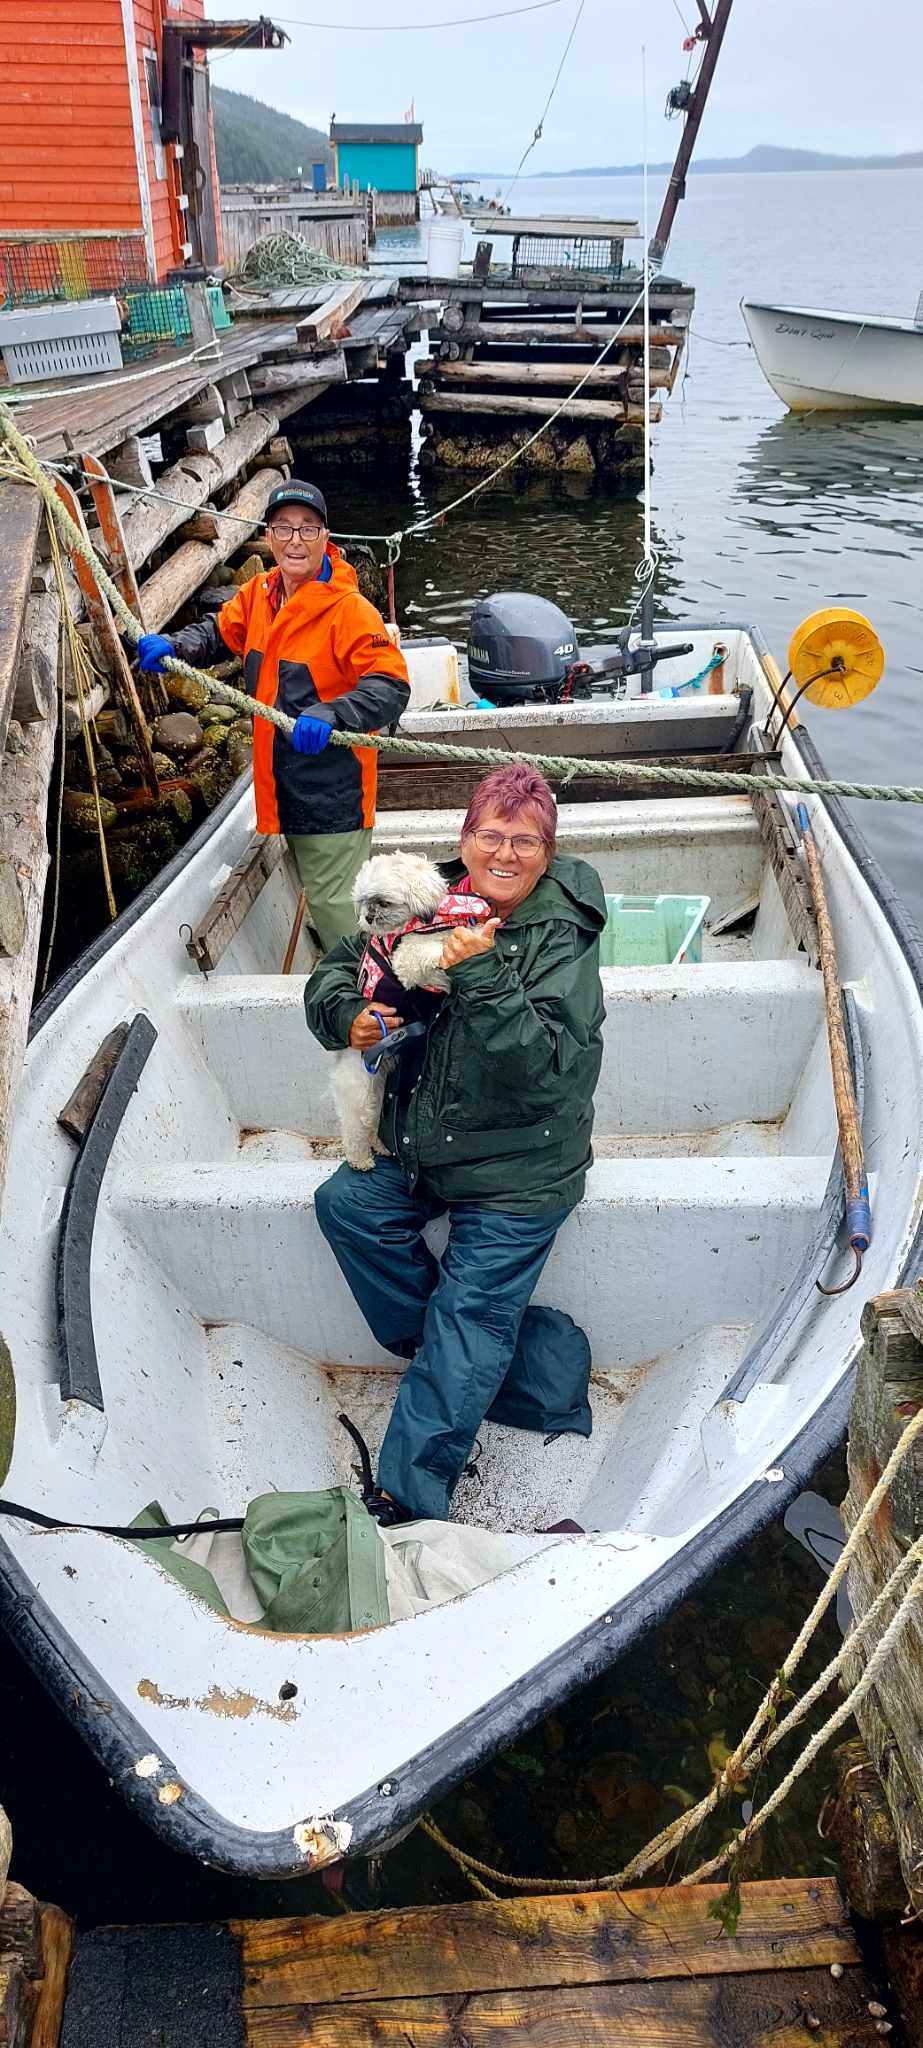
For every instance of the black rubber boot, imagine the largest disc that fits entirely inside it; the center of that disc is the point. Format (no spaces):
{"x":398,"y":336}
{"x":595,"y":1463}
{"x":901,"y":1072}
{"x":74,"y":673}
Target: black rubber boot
{"x":387,"y":1513}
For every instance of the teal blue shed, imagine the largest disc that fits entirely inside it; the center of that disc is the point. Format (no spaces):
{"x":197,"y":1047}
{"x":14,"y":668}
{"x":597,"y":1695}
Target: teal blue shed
{"x":381,"y":157}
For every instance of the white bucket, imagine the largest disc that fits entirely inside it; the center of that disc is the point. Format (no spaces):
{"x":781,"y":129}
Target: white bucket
{"x":445,"y":240}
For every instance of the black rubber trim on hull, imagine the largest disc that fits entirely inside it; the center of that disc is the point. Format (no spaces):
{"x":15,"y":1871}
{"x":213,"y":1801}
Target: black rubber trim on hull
{"x":190,"y":1824}
{"x":79,"y":1377}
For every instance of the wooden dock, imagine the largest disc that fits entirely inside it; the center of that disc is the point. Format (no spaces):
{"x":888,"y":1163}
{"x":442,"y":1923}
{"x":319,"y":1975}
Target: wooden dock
{"x":515,"y":338}
{"x":580,"y":1970}
{"x":877,"y":1821}
{"x":185,"y":437}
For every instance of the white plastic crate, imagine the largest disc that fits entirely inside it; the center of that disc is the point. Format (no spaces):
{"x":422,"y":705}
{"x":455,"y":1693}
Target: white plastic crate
{"x":71,"y":339}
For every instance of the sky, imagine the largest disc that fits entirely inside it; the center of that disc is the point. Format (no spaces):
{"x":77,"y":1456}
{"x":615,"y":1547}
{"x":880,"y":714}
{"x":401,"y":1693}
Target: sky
{"x":818,"y":74}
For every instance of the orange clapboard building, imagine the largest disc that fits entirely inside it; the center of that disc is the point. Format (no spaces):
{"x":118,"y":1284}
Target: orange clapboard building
{"x":106,"y":128}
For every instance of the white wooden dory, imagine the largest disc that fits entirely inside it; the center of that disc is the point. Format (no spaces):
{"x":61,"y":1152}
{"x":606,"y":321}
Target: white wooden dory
{"x":225,"y":1341}
{"x":822,"y":361}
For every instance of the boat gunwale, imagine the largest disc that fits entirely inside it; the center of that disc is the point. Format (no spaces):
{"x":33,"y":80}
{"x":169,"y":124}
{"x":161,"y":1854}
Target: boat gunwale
{"x":375,"y":1816}
{"x":892,"y":323}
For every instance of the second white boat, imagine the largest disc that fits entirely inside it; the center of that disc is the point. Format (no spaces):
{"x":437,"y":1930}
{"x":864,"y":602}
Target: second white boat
{"x":818,"y":360}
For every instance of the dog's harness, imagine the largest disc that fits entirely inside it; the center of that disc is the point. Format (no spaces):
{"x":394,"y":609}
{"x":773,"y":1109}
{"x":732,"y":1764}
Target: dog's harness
{"x":457,"y":906}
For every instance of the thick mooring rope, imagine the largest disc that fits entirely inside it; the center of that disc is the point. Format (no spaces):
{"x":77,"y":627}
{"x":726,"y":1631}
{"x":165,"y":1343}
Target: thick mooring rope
{"x":750,"y":1753}
{"x":562,"y":768}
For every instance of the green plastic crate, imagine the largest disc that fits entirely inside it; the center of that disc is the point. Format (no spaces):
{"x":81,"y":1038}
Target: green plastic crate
{"x":163,"y":316}
{"x":652,"y":931}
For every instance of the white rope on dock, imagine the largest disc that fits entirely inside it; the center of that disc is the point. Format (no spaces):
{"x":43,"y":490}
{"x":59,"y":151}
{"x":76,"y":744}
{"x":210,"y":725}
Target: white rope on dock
{"x":209,"y":352}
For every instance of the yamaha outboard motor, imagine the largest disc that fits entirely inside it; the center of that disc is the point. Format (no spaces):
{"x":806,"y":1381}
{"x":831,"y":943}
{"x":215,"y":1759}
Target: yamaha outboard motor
{"x":521,"y":649}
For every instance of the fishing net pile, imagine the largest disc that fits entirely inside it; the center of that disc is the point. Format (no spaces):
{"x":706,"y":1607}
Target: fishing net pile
{"x":281,"y":260}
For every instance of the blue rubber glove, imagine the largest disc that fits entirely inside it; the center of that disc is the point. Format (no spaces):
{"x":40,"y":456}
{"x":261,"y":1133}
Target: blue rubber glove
{"x":152,"y":648}
{"x":310,"y":735}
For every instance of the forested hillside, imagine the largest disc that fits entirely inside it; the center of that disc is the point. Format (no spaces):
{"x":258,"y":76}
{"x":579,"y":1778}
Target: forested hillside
{"x":256,"y":144}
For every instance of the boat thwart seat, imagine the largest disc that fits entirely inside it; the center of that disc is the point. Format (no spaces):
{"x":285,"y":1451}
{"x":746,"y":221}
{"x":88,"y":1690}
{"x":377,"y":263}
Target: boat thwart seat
{"x":687,"y":1050}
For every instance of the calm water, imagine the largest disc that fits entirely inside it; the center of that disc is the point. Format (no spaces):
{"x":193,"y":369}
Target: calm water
{"x":759,"y":517}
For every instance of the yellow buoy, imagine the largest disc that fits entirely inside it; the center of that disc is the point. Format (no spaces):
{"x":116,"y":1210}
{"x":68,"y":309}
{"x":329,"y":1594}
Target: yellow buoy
{"x":836,"y":658}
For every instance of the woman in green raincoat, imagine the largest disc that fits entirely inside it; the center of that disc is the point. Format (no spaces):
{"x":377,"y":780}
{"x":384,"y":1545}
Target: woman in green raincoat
{"x":492,"y":1124}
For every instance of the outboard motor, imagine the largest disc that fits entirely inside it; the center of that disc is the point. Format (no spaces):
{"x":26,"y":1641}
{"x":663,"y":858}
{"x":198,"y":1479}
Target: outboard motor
{"x":521,"y":650}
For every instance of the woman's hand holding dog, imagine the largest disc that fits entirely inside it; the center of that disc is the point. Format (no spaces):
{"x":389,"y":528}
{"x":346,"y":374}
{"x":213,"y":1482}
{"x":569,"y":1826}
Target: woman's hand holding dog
{"x":466,"y":941}
{"x":364,"y":1030}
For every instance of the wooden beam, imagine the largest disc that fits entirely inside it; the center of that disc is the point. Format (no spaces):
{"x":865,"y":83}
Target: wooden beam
{"x":575,"y":1938}
{"x":24,"y":785}
{"x":207,"y":405}
{"x":120,"y":565}
{"x":100,"y":615}
{"x":20,"y":518}
{"x":563,"y":227}
{"x":765,"y":2010}
{"x":131,"y":464}
{"x":778,"y":833}
{"x":36,"y":680}
{"x":57,"y":1942}
{"x":333,"y":311}
{"x":182,"y":574}
{"x":191,"y":482}
{"x":225,"y":915}
{"x":607,"y":376}
{"x":203,"y":439}
{"x":505,"y":292}
{"x":297,"y":376}
{"x":490,"y":402}
{"x":14,"y":2004}
{"x":21,"y":1928}
{"x":439,"y":786}
{"x":517,"y":333}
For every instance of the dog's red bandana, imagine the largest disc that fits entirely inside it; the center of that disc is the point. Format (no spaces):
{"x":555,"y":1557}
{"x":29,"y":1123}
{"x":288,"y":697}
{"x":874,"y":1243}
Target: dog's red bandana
{"x":458,"y":906}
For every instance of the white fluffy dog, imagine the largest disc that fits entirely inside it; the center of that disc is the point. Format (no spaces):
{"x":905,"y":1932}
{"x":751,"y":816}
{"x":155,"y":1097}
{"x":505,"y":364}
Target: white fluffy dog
{"x":390,"y":892}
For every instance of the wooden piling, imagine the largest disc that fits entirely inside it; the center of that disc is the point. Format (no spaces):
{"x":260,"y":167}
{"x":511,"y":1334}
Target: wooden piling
{"x":888,"y":1391}
{"x":508,"y":349}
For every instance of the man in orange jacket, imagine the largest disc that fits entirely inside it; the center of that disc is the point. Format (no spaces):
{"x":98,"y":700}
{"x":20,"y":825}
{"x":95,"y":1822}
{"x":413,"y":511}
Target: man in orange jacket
{"x":315,"y":648}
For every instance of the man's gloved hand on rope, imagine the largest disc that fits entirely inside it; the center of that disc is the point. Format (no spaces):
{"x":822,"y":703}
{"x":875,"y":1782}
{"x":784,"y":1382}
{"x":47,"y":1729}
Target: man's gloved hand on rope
{"x":310,"y":735}
{"x":153,"y":650}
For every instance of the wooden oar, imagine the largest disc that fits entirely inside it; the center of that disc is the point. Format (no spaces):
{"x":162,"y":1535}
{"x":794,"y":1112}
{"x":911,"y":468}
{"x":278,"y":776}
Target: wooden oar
{"x":295,"y":933}
{"x":858,"y":1211}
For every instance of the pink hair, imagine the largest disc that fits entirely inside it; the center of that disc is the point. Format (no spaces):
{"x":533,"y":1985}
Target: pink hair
{"x":507,"y":792}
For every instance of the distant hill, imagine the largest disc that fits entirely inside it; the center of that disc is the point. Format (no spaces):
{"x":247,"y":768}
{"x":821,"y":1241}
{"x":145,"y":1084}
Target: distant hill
{"x":765,"y":157}
{"x":255,"y":144}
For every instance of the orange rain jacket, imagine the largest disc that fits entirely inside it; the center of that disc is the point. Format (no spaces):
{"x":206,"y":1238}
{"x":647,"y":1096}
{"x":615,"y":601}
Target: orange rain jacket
{"x":326,"y":652}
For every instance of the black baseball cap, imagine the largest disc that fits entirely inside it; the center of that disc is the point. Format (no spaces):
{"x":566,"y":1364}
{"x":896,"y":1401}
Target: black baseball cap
{"x":297,"y":493}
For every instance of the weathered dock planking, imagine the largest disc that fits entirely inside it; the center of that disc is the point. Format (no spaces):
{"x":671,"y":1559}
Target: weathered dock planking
{"x":580,"y":1970}
{"x":104,"y":411}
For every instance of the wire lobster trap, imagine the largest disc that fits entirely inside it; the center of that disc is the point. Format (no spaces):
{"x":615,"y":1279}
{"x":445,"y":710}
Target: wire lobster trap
{"x":45,"y":269}
{"x":560,"y":258}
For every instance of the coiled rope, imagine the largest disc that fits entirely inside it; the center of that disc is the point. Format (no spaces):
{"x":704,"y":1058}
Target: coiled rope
{"x":560,"y":768}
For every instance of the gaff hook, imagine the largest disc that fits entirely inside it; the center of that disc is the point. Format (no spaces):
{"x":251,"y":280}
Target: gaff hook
{"x":847,"y":1284}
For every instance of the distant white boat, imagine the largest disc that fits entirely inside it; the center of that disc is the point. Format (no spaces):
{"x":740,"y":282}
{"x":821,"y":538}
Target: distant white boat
{"x":817,"y":360}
